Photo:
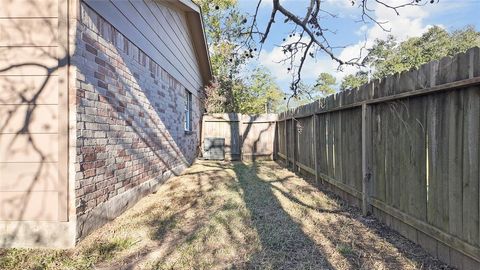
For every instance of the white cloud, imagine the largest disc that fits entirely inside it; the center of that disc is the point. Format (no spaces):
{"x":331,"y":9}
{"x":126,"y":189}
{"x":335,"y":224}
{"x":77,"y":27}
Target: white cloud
{"x":312,"y":67}
{"x":269,"y":3}
{"x":410,"y":23}
{"x":362,"y":30}
{"x":340,"y":3}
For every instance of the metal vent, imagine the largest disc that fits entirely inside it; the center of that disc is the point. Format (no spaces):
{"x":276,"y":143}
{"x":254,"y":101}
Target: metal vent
{"x":214,"y":148}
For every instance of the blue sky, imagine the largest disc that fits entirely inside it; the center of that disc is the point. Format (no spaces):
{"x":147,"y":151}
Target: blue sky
{"x":351,"y":35}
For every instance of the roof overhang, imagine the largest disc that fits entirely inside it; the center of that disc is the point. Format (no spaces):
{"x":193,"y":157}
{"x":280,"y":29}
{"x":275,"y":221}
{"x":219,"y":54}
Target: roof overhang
{"x":195,"y":24}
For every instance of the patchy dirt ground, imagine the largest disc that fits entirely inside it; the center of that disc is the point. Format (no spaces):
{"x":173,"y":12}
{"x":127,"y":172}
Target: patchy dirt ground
{"x":222,"y":215}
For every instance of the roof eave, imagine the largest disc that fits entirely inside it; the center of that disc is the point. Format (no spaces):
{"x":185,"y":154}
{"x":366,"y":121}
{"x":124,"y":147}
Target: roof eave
{"x":195,"y":23}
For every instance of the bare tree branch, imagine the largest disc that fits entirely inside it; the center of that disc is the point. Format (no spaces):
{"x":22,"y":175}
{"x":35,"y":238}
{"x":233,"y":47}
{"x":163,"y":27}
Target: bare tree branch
{"x":312,"y":39}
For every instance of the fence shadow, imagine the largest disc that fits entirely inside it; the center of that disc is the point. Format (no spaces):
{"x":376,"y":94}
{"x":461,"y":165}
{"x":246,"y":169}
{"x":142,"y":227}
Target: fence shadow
{"x":284,"y":244}
{"x":364,"y":232}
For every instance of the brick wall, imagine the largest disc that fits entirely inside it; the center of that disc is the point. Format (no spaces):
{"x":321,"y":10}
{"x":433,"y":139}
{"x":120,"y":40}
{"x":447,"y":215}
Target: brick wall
{"x":130,"y":116}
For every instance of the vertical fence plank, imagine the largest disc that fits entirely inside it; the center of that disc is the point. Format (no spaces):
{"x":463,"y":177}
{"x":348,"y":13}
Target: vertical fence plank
{"x":470,"y":165}
{"x":396,"y":141}
{"x":357,"y":145}
{"x":390,"y":141}
{"x":432,"y":144}
{"x":337,"y":144}
{"x":202,"y":134}
{"x":241,"y":134}
{"x":322,"y":144}
{"x":346,"y":154}
{"x":378,"y":136}
{"x":366,"y":158}
{"x":276,"y":143}
{"x":330,"y":146}
{"x":315,"y":146}
{"x":416,"y":166}
{"x":402,"y":157}
{"x":437,"y":133}
{"x":415,"y":157}
{"x":455,"y":154}
{"x":294,"y":144}
{"x":342,"y":138}
{"x":285,"y":126}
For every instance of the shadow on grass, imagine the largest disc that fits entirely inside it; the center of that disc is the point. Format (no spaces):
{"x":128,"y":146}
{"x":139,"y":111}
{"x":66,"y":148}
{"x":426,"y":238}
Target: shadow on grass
{"x":256,"y":216}
{"x":100,"y":252}
{"x":357,"y":238}
{"x":283,"y":243}
{"x":236,"y":216}
{"x":106,"y":250}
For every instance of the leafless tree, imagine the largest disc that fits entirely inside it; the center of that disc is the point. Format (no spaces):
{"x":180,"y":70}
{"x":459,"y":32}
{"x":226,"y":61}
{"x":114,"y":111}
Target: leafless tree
{"x":308,"y":35}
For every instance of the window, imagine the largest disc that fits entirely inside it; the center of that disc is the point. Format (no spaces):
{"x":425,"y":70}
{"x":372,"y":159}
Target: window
{"x":188,"y":110}
{"x":126,"y":45}
{"x":113,"y":36}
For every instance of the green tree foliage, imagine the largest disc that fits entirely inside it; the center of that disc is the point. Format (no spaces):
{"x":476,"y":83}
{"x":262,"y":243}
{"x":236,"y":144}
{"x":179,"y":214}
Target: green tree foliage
{"x":262,"y":94}
{"x":224,"y":24}
{"x":353,"y":81}
{"x":389,"y":56}
{"x":219,"y":96}
{"x":324,"y":85}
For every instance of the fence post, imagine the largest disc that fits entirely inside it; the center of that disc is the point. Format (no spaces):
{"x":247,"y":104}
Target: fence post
{"x":202,"y":135}
{"x":294,"y":150}
{"x":286,"y":140}
{"x":366,"y":158}
{"x":239,"y":135}
{"x":315,"y":147}
{"x":275,"y":140}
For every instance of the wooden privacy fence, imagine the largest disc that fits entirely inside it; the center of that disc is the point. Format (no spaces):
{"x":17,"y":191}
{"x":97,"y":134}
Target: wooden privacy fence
{"x":246,"y":136}
{"x":404,"y":148}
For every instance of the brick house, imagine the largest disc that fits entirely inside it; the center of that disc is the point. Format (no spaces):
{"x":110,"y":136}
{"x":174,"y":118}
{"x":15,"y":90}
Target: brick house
{"x":100,"y":102}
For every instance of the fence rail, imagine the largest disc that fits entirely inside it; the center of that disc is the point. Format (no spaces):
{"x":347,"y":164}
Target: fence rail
{"x":405,"y":149}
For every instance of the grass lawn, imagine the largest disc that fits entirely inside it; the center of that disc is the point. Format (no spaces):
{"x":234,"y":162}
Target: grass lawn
{"x":220,"y":215}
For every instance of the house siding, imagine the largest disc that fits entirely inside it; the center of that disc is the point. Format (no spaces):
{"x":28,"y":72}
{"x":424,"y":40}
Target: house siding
{"x":23,"y":36}
{"x":107,"y":126}
{"x":33,"y":123}
{"x":130,"y":108}
{"x":160,"y":31}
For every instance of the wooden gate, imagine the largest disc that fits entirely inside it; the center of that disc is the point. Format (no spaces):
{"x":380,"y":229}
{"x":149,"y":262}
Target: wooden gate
{"x":246,"y":136}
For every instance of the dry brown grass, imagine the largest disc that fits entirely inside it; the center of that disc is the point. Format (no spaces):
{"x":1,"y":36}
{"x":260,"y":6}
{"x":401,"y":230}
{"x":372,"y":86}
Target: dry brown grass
{"x":220,"y":215}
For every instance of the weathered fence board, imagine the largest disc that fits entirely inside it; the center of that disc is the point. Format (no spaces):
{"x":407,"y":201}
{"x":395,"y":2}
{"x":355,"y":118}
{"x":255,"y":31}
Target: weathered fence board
{"x":407,"y":147}
{"x":281,"y":138}
{"x":455,"y":161}
{"x":305,"y":142}
{"x":437,"y":136}
{"x":471,"y":165}
{"x":416,"y":167}
{"x":257,"y":136}
{"x":379,"y":129}
{"x":322,"y":144}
